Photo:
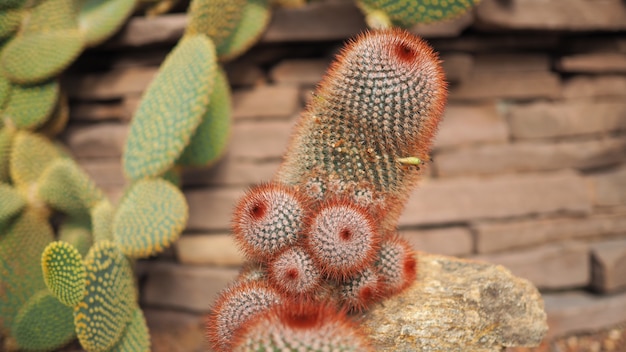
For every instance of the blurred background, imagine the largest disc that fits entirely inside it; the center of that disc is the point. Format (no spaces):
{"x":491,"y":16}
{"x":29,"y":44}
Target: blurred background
{"x":528,"y":170}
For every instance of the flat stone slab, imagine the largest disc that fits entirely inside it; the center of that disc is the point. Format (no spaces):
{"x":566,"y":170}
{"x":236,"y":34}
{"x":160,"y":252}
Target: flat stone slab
{"x":459,"y":305}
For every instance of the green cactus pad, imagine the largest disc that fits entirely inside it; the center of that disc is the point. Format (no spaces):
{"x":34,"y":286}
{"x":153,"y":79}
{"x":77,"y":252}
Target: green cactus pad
{"x":99,"y":19}
{"x":136,"y":337}
{"x":21,"y":60}
{"x":102,"y":221}
{"x":10,"y":22}
{"x":52,"y":15}
{"x":255,"y":17}
{"x":209,"y":142}
{"x":30,"y":106}
{"x":12,"y":203}
{"x":58,"y":120}
{"x":77,"y":232}
{"x":11,"y":4}
{"x":406,"y":13}
{"x":67,"y":188}
{"x":171,"y":108}
{"x":149,"y":218}
{"x":107,"y":307}
{"x":64,"y":272}
{"x":217,"y":19}
{"x":21,"y":246}
{"x":173,"y":176}
{"x":5,"y":90}
{"x":43,"y":323}
{"x":6,"y":139}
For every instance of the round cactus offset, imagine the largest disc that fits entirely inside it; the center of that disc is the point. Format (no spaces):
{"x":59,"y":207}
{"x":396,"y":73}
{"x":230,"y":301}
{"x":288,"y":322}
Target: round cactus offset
{"x":294,"y":272}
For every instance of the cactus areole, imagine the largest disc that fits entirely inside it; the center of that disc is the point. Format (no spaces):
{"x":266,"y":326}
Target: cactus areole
{"x":353,"y":160}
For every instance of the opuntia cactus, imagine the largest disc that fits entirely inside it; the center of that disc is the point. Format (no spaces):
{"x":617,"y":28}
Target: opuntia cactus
{"x":406,"y":13}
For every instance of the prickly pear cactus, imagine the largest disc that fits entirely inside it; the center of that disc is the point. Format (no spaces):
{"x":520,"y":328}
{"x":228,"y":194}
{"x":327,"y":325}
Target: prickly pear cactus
{"x":406,"y":13}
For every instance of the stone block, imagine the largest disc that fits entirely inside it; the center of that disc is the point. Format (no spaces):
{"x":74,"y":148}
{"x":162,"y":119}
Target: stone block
{"x":530,"y":156}
{"x":260,"y":141}
{"x":466,"y":199}
{"x":609,"y":187}
{"x":564,"y":119}
{"x":110,"y":85}
{"x":98,"y":111}
{"x":212,"y":208}
{"x":208,"y":249}
{"x":175,"y":331}
{"x":608,"y":266}
{"x":515,"y":63}
{"x":104,"y":172}
{"x":231,"y":172}
{"x":457,"y":66}
{"x":271,"y":101}
{"x":507,"y":85}
{"x":305,"y":72}
{"x":455,"y":241}
{"x":471,"y":124}
{"x":593,"y":63}
{"x":502,"y":42}
{"x":102,"y":140}
{"x":573,"y":15}
{"x":580,"y":312}
{"x":146,"y":30}
{"x":191,"y":288}
{"x":494,"y":236}
{"x":243,"y":73}
{"x":553,"y":266}
{"x":601,"y":86}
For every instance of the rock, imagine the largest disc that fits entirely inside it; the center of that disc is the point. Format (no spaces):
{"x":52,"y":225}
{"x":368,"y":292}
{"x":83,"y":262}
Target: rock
{"x":530,"y":156}
{"x":609,"y":187}
{"x":602,"y":86}
{"x":608,"y":266}
{"x":464,"y":199}
{"x":307,"y":72}
{"x":450,"y":28}
{"x":568,"y":118}
{"x":175,"y":331}
{"x":260,"y":140}
{"x":455,"y":240}
{"x":507,"y":85}
{"x":143,"y":31}
{"x":98,"y":111}
{"x":593,"y":63}
{"x":242,"y":73}
{"x":102,"y":140}
{"x":518,"y":62}
{"x":104,"y":172}
{"x":208,"y":249}
{"x":471,"y":124}
{"x":211,"y":209}
{"x":573,"y":15}
{"x":271,"y":101}
{"x":458,"y":305}
{"x":110,"y":85}
{"x":457,"y":66}
{"x":553,"y":266}
{"x":230,"y":171}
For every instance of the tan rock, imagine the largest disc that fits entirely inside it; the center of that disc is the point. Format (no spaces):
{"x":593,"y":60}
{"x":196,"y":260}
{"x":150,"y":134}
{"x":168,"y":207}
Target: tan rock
{"x":507,"y":85}
{"x":602,"y":86}
{"x":608,"y":266}
{"x":471,"y":124}
{"x":98,"y":111}
{"x":104,"y":172}
{"x":208,"y":249}
{"x":242,"y":73}
{"x":609,"y":187}
{"x":455,"y":240}
{"x":465,"y":199}
{"x":142,"y":31}
{"x":260,"y":140}
{"x":306,"y":72}
{"x":593,"y":63}
{"x":175,"y":331}
{"x":457,"y":67}
{"x":270,"y":101}
{"x":517,"y":62}
{"x":110,"y":85}
{"x":211,"y":208}
{"x":449,"y":28}
{"x":554,"y":266}
{"x":231,"y":171}
{"x":458,"y":305}
{"x":103,"y":140}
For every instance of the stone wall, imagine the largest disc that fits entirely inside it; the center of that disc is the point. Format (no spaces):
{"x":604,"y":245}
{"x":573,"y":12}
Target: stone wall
{"x":529,"y":166}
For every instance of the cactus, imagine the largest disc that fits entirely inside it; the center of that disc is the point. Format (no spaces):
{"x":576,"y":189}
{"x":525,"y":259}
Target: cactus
{"x":396,"y":265}
{"x":43,"y":323}
{"x":12,"y":203}
{"x":5,"y":89}
{"x":10,"y":22}
{"x":110,"y":298}
{"x":6,"y":140}
{"x":102,"y":215}
{"x":58,"y":120}
{"x":294,"y":272}
{"x":76,"y":231}
{"x":235,"y":307}
{"x":209,"y":141}
{"x":406,"y":13}
{"x":65,"y":187}
{"x":11,"y":4}
{"x":98,"y":19}
{"x":29,"y":107}
{"x":342,"y":238}
{"x":367,"y":116}
{"x":217,"y":19}
{"x":254,"y":18}
{"x":136,"y":337}
{"x":150,"y":216}
{"x":171,"y":108}
{"x":30,"y":156}
{"x":301,"y":327}
{"x":267,"y":219}
{"x":360,"y":291}
{"x":64,"y":272}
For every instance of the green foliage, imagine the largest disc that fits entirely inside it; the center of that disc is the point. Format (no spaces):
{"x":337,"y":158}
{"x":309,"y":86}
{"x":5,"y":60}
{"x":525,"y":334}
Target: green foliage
{"x":171,"y":108}
{"x":21,"y":246}
{"x":99,"y":19}
{"x":67,"y":188}
{"x":10,"y":21}
{"x":217,"y":19}
{"x":21,"y":60}
{"x":64,"y":272}
{"x":107,"y":307}
{"x":30,"y":106}
{"x":12,"y":203}
{"x":102,"y":221}
{"x":43,"y":323}
{"x":150,"y":216}
{"x":254,"y":18}
{"x":77,"y":232}
{"x":136,"y":337}
{"x":209,"y":142}
{"x":406,"y":13}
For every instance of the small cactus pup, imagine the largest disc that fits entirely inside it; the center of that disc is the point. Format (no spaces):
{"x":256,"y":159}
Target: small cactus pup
{"x":300,"y":327}
{"x":380,"y":102}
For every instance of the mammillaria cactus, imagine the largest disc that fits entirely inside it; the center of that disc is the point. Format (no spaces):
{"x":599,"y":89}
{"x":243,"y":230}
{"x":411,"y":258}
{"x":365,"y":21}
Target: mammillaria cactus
{"x":352,"y":158}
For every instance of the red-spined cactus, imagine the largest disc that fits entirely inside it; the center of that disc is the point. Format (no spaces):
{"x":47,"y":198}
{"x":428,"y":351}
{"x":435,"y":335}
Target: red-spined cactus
{"x":360,"y":291}
{"x":396,"y":265}
{"x":379,"y":103}
{"x":294,"y":273}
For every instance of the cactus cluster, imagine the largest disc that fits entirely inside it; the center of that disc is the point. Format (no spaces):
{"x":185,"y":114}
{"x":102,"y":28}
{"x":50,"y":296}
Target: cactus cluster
{"x":322,"y":235}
